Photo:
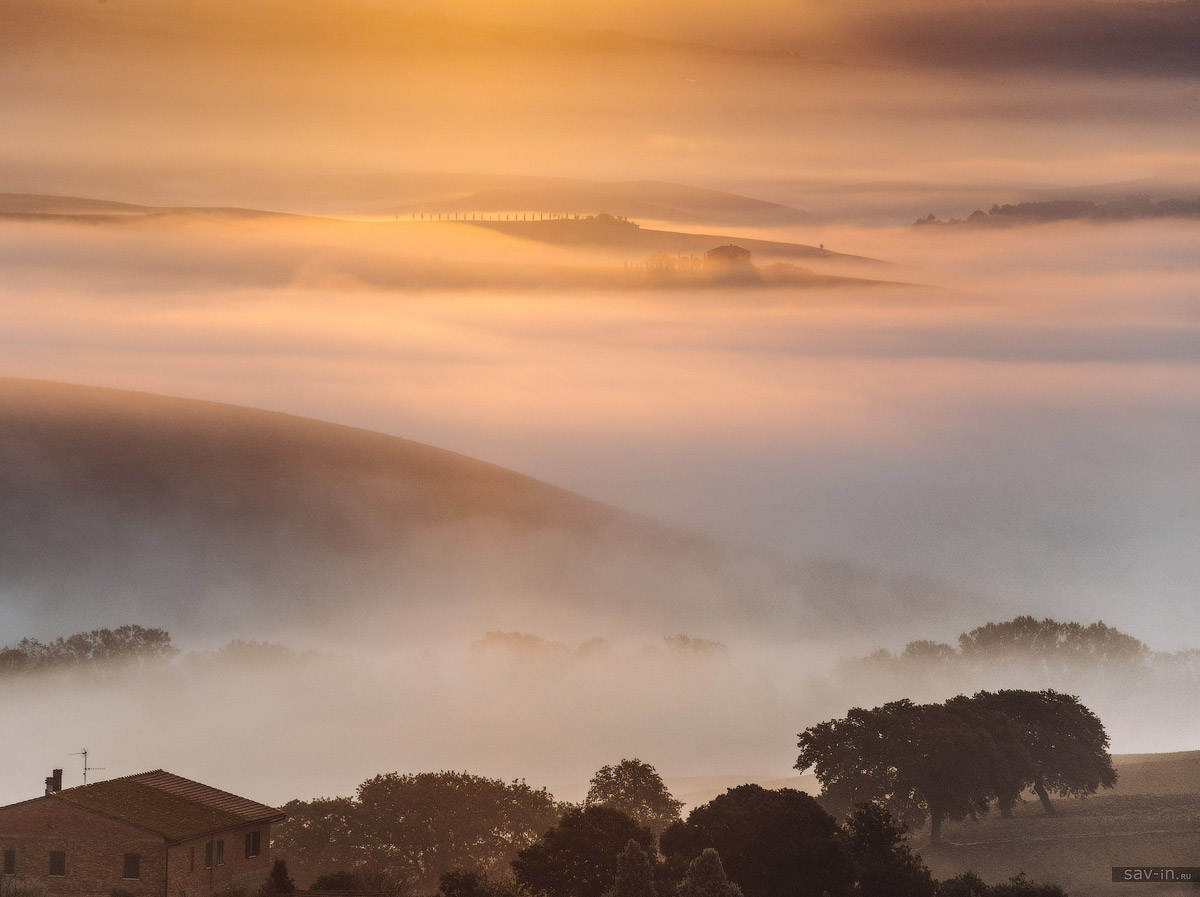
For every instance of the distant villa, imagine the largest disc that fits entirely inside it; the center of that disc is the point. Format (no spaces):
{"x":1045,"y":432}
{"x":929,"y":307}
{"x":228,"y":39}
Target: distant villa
{"x":726,"y":257}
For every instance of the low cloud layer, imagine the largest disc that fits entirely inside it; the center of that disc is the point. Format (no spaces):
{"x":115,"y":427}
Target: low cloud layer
{"x":508,"y":705}
{"x":1020,"y":433}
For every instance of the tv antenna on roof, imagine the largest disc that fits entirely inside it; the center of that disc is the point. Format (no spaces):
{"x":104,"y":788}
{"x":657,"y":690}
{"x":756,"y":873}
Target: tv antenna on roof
{"x":86,"y":768}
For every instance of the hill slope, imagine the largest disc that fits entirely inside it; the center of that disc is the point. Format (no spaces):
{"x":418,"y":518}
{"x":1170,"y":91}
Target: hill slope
{"x":215,"y":519}
{"x":1173,"y":773}
{"x":198,"y":515}
{"x":605,"y":232}
{"x":659,"y":200}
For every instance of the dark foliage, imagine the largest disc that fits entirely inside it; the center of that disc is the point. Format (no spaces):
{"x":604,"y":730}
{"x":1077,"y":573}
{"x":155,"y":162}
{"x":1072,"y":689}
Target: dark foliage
{"x":1130,"y":209}
{"x":1046,"y":645}
{"x":1062,"y":744}
{"x":884,"y":863}
{"x":950,"y":761}
{"x":705,"y":877}
{"x":1052,"y":643}
{"x":634,"y":788}
{"x":634,"y":876}
{"x":578,"y":856}
{"x":473,"y":884}
{"x":338,"y":881}
{"x":278,"y":883}
{"x":321,"y":837}
{"x":971,"y":885}
{"x":123,"y":645}
{"x":772,"y":843}
{"x":921,"y":762}
{"x":410,"y":830}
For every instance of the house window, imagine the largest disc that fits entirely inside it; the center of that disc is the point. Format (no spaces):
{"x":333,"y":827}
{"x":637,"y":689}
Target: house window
{"x":133,"y":866}
{"x":208,"y":855}
{"x":253,"y":844}
{"x":220,"y":853}
{"x":58,"y":862}
{"x":10,"y":862}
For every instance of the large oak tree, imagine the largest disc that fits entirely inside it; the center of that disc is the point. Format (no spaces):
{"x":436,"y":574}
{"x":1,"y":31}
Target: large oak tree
{"x":929,"y":761}
{"x":951,"y":760}
{"x":1064,"y":745}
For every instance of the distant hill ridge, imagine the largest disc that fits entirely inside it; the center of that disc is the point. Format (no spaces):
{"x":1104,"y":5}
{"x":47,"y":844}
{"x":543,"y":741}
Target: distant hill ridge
{"x":450,"y":193}
{"x":658,"y":200}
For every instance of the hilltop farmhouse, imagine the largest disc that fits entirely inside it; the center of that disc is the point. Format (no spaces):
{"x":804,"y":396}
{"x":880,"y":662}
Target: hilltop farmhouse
{"x":154,"y":834}
{"x":727,"y":257}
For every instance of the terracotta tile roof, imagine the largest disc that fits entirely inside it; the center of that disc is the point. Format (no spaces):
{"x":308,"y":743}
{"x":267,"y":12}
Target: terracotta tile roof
{"x":168,"y":805}
{"x":250,"y":810}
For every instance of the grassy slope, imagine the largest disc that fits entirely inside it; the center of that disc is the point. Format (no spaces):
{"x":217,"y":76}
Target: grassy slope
{"x":1152,"y":817}
{"x":1078,"y":848}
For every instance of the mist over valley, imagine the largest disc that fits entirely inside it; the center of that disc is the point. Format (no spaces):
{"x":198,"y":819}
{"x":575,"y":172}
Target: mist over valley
{"x":508,"y":389}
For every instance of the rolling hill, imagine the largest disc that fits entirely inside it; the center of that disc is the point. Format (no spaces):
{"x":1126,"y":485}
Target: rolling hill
{"x":658,"y":200}
{"x":218,"y":520}
{"x":200,"y":515}
{"x":606,"y":232}
{"x":450,"y":250}
{"x":1171,"y":773}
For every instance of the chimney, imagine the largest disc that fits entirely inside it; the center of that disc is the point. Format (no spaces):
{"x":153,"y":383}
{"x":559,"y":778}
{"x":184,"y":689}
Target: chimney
{"x":54,"y":782}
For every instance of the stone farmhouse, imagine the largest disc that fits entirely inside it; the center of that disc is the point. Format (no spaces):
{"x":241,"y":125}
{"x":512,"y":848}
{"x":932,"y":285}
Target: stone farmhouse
{"x":154,"y":834}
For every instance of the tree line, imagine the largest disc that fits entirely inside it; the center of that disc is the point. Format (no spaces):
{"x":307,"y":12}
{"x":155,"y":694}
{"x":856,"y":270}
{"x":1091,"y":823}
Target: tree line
{"x":1047,"y":211}
{"x":1046,"y":645}
{"x":452,"y":834}
{"x":123,"y":645}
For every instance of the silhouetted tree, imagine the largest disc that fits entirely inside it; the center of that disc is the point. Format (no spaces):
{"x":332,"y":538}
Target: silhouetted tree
{"x":418,"y":827}
{"x":1046,"y":645}
{"x":634,"y":788}
{"x":578,"y":856}
{"x":1052,"y":644}
{"x":930,"y":761}
{"x":125,"y":644}
{"x":772,"y":843}
{"x":319,"y":837}
{"x":926,"y":652}
{"x":705,"y":877}
{"x":884,"y":863}
{"x":634,"y":875}
{"x":278,"y":883}
{"x":1064,"y":745}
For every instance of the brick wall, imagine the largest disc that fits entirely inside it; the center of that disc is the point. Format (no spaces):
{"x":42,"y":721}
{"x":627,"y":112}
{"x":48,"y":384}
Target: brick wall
{"x":188,"y":877}
{"x":94,"y":848}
